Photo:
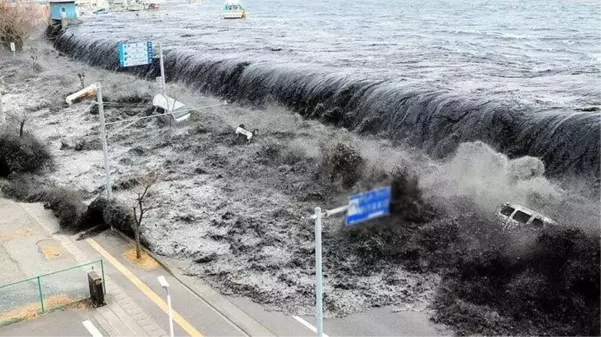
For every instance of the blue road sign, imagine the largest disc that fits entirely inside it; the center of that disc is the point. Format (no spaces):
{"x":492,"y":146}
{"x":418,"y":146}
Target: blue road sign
{"x":134,"y":54}
{"x":368,"y":205}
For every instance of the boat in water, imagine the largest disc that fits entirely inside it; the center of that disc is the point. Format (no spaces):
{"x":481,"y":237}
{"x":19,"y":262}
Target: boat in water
{"x":233,"y":10}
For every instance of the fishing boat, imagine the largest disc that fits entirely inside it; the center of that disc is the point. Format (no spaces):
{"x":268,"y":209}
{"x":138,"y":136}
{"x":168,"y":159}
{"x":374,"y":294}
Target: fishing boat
{"x":135,"y":7}
{"x":233,"y":10}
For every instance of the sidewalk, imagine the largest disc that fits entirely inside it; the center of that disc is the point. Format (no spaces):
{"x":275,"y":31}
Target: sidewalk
{"x":30,"y":246}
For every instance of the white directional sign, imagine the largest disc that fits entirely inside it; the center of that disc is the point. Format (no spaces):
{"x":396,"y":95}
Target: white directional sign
{"x":135,"y":54}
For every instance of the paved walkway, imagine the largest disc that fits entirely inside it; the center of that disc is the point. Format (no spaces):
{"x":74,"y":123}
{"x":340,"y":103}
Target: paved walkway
{"x":30,"y":246}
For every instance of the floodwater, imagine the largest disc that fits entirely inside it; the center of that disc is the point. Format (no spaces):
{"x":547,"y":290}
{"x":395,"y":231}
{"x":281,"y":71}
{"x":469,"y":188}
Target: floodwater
{"x":523,"y":76}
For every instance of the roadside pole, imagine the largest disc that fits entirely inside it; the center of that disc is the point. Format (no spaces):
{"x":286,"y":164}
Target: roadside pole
{"x":361,"y":207}
{"x":165,"y":286}
{"x":163,"y":87}
{"x":104,"y":144}
{"x":318,"y":274}
{"x":2,"y":117}
{"x":318,"y":264}
{"x":170,"y":313}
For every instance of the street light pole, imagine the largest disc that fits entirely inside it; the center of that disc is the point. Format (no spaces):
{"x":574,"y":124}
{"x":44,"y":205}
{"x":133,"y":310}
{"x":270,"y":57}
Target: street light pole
{"x":162,"y":71}
{"x":165,"y":285}
{"x":2,"y":118}
{"x":96,"y":89}
{"x":170,"y":313}
{"x":104,"y":144}
{"x":318,"y":274}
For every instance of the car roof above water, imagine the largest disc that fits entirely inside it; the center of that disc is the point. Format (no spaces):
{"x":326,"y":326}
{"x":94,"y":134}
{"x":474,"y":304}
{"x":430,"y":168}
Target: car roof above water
{"x":528,"y":211}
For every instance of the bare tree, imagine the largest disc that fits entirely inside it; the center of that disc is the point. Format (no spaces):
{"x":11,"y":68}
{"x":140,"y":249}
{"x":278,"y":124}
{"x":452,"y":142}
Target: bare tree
{"x":34,"y":58}
{"x":142,"y":205}
{"x":21,"y":118}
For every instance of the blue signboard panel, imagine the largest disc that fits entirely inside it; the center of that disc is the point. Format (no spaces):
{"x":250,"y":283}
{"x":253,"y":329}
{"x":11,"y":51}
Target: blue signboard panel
{"x":368,"y":205}
{"x":134,"y":54}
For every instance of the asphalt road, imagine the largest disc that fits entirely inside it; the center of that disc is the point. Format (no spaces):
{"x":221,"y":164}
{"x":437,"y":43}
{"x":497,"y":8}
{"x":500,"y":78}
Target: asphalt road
{"x":58,"y":323}
{"x":374,"y":322}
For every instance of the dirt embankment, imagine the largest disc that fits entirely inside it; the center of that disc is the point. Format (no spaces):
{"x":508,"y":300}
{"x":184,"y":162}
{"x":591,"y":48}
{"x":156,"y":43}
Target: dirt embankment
{"x":239,"y":212}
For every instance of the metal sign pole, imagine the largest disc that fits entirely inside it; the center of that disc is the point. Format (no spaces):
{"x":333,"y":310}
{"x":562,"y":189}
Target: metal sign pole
{"x":2,"y":118}
{"x":361,"y":207}
{"x":104,"y":144}
{"x":318,"y":274}
{"x":162,"y":72}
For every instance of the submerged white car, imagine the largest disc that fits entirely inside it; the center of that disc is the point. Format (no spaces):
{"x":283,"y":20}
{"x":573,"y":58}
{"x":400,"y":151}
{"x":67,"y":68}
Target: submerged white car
{"x":516,"y":216}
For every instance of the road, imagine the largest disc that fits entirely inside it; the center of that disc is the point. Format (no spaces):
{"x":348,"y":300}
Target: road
{"x":374,"y":322}
{"x":59,"y":323}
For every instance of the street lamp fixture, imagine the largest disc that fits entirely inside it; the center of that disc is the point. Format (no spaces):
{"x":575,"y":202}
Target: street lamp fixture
{"x":165,"y":286}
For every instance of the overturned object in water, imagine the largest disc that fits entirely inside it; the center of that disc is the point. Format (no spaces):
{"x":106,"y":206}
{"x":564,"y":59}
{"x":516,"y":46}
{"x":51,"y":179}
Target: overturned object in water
{"x":517,"y":217}
{"x":177,"y":109}
{"x":241,"y":132}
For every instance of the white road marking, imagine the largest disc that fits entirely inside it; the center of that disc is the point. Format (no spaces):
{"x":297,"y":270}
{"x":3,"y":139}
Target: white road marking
{"x":91,"y":328}
{"x":307,"y":325}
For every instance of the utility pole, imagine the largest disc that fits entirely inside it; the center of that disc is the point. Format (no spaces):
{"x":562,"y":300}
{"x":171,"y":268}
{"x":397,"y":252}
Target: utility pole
{"x":2,"y":117}
{"x":104,"y":144}
{"x":318,"y":274}
{"x":162,"y":72}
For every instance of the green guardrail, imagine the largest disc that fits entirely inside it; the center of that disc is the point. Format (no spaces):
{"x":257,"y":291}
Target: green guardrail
{"x":49,"y":291}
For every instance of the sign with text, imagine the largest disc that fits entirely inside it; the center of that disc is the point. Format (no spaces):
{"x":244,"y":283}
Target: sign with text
{"x":135,"y":54}
{"x":368,"y":205}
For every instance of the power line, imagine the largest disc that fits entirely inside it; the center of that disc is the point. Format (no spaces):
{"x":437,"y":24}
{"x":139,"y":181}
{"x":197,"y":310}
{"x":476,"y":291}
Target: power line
{"x":165,"y":114}
{"x":124,"y":105}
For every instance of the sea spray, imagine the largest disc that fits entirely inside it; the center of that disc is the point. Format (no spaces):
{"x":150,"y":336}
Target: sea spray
{"x":436,"y":119}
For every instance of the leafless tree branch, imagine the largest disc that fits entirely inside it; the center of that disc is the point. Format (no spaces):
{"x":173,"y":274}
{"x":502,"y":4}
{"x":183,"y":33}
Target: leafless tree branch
{"x":146,"y":183}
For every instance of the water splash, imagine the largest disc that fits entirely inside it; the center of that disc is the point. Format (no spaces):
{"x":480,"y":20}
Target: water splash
{"x":407,"y":111}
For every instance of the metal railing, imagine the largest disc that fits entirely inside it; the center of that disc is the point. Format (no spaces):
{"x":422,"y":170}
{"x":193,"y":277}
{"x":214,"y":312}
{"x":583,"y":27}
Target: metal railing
{"x":46,"y":292}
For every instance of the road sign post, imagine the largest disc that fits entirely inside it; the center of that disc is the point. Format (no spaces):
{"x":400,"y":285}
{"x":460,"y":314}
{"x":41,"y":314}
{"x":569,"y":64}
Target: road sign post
{"x":162,"y":72}
{"x":318,"y":274}
{"x":2,"y":118}
{"x":141,"y":53}
{"x":361,"y":207}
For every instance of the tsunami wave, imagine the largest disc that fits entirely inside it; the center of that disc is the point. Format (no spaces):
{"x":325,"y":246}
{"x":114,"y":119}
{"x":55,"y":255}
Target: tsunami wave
{"x":434,"y":119}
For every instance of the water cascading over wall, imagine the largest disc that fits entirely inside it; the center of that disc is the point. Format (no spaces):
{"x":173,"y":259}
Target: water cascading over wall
{"x":437,"y":120}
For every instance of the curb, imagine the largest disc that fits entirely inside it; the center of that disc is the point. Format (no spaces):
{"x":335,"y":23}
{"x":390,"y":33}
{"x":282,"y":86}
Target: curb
{"x":212,"y":298}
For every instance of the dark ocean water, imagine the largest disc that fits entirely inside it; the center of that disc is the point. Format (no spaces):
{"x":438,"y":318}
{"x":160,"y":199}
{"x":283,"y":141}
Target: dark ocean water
{"x":523,"y":76}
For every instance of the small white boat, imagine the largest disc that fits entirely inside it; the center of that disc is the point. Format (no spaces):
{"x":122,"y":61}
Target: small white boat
{"x":135,"y":7}
{"x":233,"y":10}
